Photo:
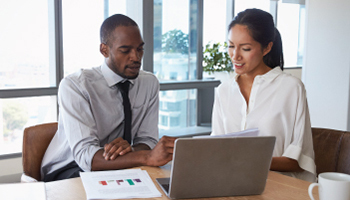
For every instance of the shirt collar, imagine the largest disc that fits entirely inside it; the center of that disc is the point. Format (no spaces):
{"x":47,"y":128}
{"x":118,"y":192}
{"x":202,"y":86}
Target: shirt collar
{"x":111,"y":77}
{"x":269,"y":76}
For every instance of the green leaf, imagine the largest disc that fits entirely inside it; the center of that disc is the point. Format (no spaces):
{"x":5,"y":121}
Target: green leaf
{"x":216,"y":58}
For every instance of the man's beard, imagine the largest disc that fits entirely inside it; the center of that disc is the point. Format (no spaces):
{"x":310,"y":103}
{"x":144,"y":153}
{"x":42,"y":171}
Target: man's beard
{"x":132,"y":77}
{"x":135,"y":76}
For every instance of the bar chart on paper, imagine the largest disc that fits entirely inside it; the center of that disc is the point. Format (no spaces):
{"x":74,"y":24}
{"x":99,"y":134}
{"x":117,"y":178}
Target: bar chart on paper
{"x":121,"y":182}
{"x":130,"y":183}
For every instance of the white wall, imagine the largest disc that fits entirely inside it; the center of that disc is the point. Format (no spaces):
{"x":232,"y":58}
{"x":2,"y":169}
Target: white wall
{"x":326,"y":71}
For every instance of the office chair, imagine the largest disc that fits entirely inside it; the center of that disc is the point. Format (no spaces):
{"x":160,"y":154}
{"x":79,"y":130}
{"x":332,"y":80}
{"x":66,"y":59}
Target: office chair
{"x":36,"y":139}
{"x":332,"y":150}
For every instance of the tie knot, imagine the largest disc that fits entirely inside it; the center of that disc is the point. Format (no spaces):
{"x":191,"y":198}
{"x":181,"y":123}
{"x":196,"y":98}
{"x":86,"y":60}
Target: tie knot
{"x":124,"y":87}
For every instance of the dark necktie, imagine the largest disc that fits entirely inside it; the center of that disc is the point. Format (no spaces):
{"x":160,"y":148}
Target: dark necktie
{"x":124,"y":89}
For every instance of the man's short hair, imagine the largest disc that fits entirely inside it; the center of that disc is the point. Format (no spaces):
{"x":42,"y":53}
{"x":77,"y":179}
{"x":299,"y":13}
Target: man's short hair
{"x":112,"y":23}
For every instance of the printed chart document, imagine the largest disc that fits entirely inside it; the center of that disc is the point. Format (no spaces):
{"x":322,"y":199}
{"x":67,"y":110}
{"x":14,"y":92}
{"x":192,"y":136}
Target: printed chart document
{"x":119,"y":184}
{"x":20,"y":191}
{"x":254,"y":132}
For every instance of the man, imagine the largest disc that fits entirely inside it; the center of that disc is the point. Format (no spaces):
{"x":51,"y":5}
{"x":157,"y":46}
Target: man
{"x":92,"y":104}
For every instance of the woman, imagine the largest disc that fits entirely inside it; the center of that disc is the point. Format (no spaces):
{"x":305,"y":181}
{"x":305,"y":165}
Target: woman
{"x":262,"y":96}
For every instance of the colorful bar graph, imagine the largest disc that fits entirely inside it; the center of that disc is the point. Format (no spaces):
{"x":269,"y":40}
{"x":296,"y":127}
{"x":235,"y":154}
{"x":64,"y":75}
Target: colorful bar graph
{"x":130,"y":182}
{"x":119,"y":181}
{"x":102,"y":182}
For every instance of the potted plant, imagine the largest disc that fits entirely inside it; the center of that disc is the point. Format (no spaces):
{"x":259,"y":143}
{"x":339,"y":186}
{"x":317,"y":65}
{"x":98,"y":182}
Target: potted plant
{"x":216,"y":60}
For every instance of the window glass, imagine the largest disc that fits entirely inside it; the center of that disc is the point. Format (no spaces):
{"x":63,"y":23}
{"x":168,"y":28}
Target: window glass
{"x":175,"y":48}
{"x":175,"y":39}
{"x":19,"y":113}
{"x":177,"y":109}
{"x":241,"y":5}
{"x":290,"y":23}
{"x":214,"y":21}
{"x":214,"y":28}
{"x":26,"y":45}
{"x":81,"y":31}
{"x":81,"y":34}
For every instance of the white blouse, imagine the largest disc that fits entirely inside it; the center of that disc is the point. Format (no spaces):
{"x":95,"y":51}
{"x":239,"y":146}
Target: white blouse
{"x":277,"y":107}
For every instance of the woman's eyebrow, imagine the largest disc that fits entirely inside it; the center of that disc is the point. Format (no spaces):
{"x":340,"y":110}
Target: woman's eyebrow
{"x":241,"y":44}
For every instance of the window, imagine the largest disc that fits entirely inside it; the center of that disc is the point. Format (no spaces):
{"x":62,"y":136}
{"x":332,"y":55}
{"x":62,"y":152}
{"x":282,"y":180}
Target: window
{"x":81,"y":31}
{"x":174,"y":40}
{"x":214,"y":21}
{"x":18,"y":113}
{"x":290,"y":23}
{"x":175,"y":59}
{"x":36,"y":56}
{"x":25,"y":46}
{"x":27,"y":70}
{"x":241,"y":5}
{"x":177,"y":109}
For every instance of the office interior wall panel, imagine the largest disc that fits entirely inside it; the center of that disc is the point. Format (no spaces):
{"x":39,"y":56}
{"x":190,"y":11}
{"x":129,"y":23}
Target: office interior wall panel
{"x":326,"y":71}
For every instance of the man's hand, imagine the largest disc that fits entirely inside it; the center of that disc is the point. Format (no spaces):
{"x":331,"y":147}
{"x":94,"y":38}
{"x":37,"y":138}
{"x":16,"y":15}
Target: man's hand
{"x":142,"y":156}
{"x":117,"y":147}
{"x":162,"y":152}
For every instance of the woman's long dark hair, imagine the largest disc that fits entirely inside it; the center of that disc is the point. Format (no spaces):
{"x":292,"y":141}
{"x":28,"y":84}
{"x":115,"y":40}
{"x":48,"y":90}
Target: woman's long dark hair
{"x":262,"y":29}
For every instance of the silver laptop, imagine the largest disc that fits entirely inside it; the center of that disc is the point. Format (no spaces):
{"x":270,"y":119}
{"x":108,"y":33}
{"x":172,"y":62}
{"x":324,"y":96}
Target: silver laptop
{"x":214,"y":167}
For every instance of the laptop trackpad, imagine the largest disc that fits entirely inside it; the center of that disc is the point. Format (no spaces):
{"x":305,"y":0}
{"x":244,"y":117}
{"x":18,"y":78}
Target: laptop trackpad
{"x":164,"y":184}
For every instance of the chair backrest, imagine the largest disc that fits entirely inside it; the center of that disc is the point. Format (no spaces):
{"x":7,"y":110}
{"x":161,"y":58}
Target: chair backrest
{"x":332,"y":150}
{"x":36,"y":139}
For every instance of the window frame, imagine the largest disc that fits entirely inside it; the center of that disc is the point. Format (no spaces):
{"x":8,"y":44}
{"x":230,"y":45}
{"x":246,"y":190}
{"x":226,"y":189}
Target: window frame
{"x":204,"y":88}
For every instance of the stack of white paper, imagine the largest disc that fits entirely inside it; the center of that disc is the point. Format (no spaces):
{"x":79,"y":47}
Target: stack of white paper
{"x":119,"y":184}
{"x":254,"y":132}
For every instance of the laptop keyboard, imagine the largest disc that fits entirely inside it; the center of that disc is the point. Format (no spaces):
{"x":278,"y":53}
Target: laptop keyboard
{"x":166,"y":187}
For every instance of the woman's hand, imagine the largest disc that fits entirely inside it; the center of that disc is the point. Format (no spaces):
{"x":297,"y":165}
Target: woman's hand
{"x":117,"y":147}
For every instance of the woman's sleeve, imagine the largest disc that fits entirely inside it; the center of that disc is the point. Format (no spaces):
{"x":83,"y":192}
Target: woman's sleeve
{"x":301,"y":145}
{"x":217,"y":120}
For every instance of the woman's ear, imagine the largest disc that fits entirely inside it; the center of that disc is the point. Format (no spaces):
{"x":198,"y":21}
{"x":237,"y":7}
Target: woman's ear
{"x":104,"y":49}
{"x":268,"y":48}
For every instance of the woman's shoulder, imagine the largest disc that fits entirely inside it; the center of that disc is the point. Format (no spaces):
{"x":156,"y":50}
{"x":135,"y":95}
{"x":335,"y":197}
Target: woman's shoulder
{"x":227,"y":84}
{"x":290,"y":80}
{"x":290,"y":83}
